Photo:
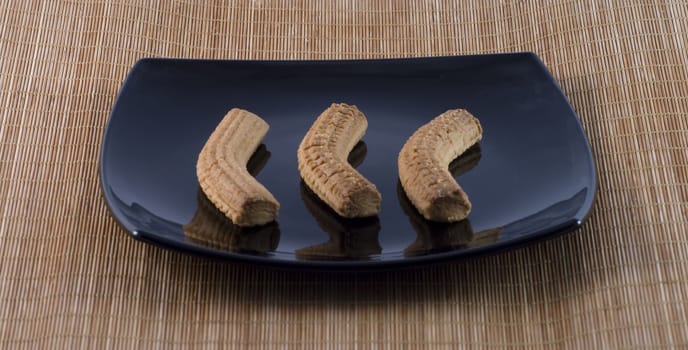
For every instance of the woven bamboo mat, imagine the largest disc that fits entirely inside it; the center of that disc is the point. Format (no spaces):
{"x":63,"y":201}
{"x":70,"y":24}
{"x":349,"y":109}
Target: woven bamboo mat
{"x":69,"y":277}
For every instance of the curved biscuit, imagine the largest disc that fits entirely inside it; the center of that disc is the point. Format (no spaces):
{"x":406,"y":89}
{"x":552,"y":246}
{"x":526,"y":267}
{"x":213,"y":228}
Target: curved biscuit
{"x":222,"y":173}
{"x":322,"y":158}
{"x":423,"y":165}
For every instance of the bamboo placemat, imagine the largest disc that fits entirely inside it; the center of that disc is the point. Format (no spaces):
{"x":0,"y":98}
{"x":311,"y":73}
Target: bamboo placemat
{"x":69,"y":277}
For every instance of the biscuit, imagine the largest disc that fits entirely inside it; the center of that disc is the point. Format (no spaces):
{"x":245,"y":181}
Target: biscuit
{"x":322,"y":161}
{"x":423,"y":165}
{"x":222,"y":173}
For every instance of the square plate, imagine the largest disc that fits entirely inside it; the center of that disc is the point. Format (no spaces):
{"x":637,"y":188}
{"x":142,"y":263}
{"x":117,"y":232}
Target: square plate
{"x":531,"y":178}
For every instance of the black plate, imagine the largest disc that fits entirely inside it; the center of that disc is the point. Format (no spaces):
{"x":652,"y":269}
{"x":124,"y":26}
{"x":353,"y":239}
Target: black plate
{"x":531,"y":178}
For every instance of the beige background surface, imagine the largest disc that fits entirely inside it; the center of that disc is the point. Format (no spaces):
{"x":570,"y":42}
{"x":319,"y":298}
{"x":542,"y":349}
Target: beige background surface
{"x":69,"y":277}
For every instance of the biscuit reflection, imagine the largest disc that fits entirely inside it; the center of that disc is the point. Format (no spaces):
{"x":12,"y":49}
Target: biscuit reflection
{"x":435,"y":237}
{"x":348,"y":238}
{"x":210,"y":227}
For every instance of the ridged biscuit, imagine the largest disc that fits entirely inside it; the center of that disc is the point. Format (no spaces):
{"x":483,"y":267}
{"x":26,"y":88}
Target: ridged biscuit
{"x":222,"y":173}
{"x":423,"y":165}
{"x":322,"y":161}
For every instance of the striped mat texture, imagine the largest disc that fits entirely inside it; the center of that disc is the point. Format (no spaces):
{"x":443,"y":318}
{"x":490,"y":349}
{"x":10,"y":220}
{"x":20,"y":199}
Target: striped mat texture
{"x":71,"y":278}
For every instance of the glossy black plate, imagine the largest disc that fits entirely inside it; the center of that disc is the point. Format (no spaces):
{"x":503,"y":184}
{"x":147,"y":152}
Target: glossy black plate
{"x":531,"y":178}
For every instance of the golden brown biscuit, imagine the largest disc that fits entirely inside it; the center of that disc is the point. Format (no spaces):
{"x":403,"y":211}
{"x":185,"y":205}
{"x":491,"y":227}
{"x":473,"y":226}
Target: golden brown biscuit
{"x":222,"y":173}
{"x":322,"y":159}
{"x":423,"y":165}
